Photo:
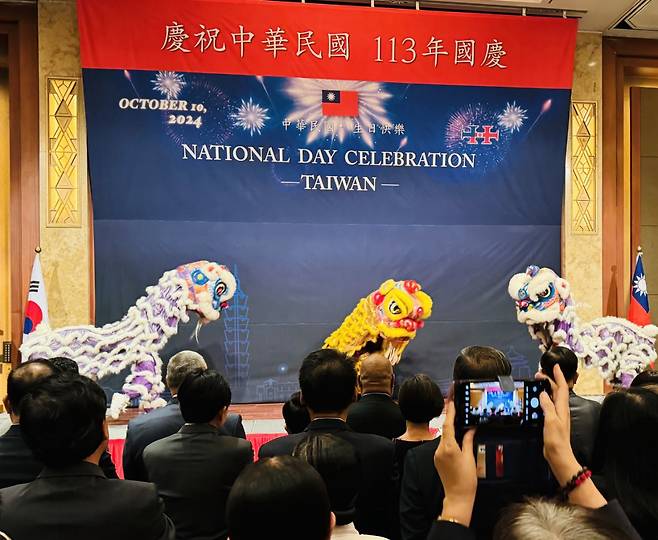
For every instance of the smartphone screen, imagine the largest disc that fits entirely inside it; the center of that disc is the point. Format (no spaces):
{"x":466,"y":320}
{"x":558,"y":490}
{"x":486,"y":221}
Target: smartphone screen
{"x":485,"y":402}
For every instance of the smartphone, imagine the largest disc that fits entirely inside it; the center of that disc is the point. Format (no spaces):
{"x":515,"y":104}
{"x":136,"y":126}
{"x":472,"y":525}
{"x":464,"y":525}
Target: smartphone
{"x":479,"y":403}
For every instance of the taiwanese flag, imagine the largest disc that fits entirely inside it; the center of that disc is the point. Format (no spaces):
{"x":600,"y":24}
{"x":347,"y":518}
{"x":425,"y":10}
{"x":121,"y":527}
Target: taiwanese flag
{"x":340,"y":103}
{"x":638,"y":310}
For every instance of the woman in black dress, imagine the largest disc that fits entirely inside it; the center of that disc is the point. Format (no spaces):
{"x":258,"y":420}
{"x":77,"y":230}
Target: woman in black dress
{"x":420,"y":401}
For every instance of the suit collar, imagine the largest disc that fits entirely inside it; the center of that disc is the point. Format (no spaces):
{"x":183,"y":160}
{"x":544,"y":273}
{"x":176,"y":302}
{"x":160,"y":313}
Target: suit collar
{"x":83,"y":468}
{"x":198,"y":428}
{"x":328,"y":424}
{"x":13,"y":431}
{"x":376,"y":396}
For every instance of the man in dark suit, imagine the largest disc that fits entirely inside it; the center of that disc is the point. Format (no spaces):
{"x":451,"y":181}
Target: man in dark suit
{"x":161,"y":423}
{"x":63,"y":422}
{"x":525,"y":471}
{"x":327,"y":380}
{"x":376,"y":412}
{"x":584,"y":412}
{"x":195,"y":468}
{"x":17,"y":463}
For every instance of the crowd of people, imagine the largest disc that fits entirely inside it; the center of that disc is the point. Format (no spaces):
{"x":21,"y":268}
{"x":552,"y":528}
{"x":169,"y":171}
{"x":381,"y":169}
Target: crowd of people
{"x":356,"y":462}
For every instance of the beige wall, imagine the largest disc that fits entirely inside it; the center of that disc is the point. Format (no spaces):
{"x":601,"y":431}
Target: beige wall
{"x":649,"y":189}
{"x":65,"y":251}
{"x":582,"y":252}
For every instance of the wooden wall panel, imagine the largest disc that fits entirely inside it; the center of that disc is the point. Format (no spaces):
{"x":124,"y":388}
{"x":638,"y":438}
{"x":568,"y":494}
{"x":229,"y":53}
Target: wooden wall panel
{"x":20,"y":25}
{"x":625,"y":61}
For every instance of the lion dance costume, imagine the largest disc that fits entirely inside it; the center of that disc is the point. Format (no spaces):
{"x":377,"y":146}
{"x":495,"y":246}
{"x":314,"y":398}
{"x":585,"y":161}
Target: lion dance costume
{"x":202,"y":287}
{"x":387,"y":318}
{"x":617,"y":347}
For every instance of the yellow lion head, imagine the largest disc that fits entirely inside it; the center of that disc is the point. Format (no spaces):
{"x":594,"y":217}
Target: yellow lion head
{"x":387,"y":319}
{"x":400,"y":308}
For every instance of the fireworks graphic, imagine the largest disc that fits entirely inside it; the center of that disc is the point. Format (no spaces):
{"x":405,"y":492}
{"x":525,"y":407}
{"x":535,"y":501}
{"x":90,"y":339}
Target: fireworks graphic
{"x":544,"y":109}
{"x":460,"y":122}
{"x":307,"y":98}
{"x":127,"y":75}
{"x":470,"y":120}
{"x":512,"y":117}
{"x":250,"y":116}
{"x":169,"y":83}
{"x":216,"y":124}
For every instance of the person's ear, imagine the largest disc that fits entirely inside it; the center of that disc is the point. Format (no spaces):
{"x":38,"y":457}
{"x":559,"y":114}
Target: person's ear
{"x":106,"y":431}
{"x":301,"y":399}
{"x":223,"y":415}
{"x":7,"y":404}
{"x":332,"y":523}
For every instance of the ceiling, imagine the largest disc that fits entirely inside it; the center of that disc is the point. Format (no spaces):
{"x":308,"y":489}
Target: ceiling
{"x":597,"y":15}
{"x":629,"y":18}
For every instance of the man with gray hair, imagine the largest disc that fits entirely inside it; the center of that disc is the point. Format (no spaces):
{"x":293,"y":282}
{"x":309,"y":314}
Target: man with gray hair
{"x":161,"y":423}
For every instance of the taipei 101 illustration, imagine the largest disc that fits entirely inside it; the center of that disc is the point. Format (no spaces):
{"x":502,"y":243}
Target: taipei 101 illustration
{"x":236,"y":338}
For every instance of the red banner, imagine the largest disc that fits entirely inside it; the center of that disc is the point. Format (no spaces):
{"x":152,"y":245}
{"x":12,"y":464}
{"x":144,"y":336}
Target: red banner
{"x":259,"y":37}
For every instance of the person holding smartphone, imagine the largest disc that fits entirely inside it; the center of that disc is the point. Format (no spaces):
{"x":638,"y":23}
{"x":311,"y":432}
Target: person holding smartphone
{"x":510,"y":461}
{"x":457,"y":469}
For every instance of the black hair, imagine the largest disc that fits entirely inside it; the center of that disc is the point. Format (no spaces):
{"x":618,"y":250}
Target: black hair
{"x":373,"y":346}
{"x":338,"y":464}
{"x":420,"y":399}
{"x":202,"y":394}
{"x":536,"y":519}
{"x":645,"y":378}
{"x":62,"y":419}
{"x":625,"y":453}
{"x":295,"y":414}
{"x":480,"y":362}
{"x":24,"y":378}
{"x":64,"y":365}
{"x":327,"y":380}
{"x":280,"y":497}
{"x":565,"y":358}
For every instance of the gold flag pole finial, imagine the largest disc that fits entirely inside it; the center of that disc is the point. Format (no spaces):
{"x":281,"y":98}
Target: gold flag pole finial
{"x":37,"y":249}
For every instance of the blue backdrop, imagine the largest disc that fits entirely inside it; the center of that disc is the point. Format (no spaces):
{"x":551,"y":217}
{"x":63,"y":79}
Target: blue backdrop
{"x":304,"y":257}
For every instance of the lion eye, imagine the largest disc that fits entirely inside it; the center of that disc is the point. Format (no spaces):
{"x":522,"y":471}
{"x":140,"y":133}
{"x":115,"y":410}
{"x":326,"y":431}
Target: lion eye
{"x":394,"y":308}
{"x":546,"y":292}
{"x":220,"y":289}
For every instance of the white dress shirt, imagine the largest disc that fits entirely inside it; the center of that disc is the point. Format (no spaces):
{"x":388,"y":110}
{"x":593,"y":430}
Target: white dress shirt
{"x":347,"y":532}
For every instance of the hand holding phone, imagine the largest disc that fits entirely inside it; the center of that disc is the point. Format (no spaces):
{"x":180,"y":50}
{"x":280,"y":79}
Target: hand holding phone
{"x":481,"y":403}
{"x":457,"y":470}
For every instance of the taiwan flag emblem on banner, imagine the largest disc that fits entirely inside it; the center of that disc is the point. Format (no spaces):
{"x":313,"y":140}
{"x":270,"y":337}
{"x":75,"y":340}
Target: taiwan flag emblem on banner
{"x":638,"y":310}
{"x":340,"y":103}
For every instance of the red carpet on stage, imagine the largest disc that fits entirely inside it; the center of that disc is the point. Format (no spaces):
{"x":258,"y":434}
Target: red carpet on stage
{"x":115,"y":447}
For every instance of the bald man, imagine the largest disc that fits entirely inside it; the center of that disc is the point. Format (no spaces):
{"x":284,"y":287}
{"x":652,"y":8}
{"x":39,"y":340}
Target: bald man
{"x":376,"y":412}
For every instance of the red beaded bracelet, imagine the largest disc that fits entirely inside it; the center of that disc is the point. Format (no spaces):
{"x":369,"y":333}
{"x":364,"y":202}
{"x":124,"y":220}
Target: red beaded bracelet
{"x":577,"y":479}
